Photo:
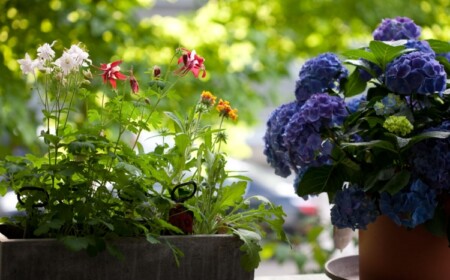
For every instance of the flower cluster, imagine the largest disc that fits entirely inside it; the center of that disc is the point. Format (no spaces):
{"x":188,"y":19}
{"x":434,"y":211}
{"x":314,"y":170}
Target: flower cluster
{"x":302,"y":136}
{"x":416,"y":72}
{"x":321,"y":74}
{"x":70,"y":61}
{"x":376,"y":140}
{"x":397,"y":29}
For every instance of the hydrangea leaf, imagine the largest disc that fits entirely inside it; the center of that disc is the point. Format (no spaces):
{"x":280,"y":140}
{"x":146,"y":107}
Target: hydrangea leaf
{"x":354,"y":85}
{"x":439,"y":46}
{"x":397,"y":182}
{"x":361,"y":54}
{"x":385,"y":53}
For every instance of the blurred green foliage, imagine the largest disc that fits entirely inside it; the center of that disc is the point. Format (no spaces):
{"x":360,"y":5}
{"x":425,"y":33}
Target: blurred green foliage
{"x":245,"y":42}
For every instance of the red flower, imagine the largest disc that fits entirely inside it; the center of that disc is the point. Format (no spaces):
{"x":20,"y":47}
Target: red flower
{"x":191,"y":62}
{"x":182,"y":218}
{"x":111,"y":72}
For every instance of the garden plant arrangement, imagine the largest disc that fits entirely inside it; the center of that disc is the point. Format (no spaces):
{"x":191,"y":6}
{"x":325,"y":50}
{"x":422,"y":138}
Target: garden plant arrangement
{"x":97,"y":181}
{"x":373,"y":135}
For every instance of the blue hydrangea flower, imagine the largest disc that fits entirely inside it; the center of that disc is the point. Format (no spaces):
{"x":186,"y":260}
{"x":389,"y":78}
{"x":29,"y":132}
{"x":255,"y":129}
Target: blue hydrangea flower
{"x":353,"y":209}
{"x":415,"y":72}
{"x":354,"y":102}
{"x":320,"y":74}
{"x":274,"y":149}
{"x":430,"y":160}
{"x":421,"y":46}
{"x":390,"y":104}
{"x":411,"y":207}
{"x":399,"y":28}
{"x":302,"y":137}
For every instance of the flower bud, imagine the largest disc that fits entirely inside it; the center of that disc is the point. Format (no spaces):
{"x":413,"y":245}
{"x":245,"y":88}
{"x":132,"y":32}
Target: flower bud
{"x":87,"y":74}
{"x":156,"y":72}
{"x":133,"y":83}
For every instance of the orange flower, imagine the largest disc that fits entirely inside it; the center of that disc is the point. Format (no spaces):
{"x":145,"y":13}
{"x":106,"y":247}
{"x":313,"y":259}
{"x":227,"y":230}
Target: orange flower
{"x":208,"y":98}
{"x":226,"y":111}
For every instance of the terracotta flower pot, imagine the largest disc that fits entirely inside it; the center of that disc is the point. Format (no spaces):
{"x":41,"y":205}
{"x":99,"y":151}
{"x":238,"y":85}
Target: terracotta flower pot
{"x":388,"y":251}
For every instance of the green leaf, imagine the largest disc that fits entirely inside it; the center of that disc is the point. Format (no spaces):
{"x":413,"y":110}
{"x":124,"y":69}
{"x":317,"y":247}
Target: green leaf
{"x":354,"y":85}
{"x":81,"y":147}
{"x":151,"y":239}
{"x":361,"y":54}
{"x":75,"y":243}
{"x":176,"y":119}
{"x":428,"y":135}
{"x":232,"y":194}
{"x":50,"y":138}
{"x":381,"y":144}
{"x":41,"y":229}
{"x":397,"y":182}
{"x":439,"y":46}
{"x":251,"y":247}
{"x":129,"y":168}
{"x":385,"y":53}
{"x":320,"y":179}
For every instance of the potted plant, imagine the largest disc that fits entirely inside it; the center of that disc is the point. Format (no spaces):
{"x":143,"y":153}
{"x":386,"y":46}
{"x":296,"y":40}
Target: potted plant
{"x":375,"y":137}
{"x":101,"y":189}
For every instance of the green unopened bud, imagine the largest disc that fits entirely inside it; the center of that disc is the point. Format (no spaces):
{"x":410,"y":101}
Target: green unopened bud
{"x":399,"y":125}
{"x":87,"y":74}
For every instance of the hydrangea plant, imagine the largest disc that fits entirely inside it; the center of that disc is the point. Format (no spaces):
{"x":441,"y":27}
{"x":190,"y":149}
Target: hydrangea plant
{"x":375,"y":140}
{"x":100,"y":178}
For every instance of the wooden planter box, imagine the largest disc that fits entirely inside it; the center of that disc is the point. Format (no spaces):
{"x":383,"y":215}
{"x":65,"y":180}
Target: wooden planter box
{"x":208,"y":257}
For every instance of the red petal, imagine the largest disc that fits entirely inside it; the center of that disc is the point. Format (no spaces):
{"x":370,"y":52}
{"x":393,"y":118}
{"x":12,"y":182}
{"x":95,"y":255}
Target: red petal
{"x":120,"y":76}
{"x":115,"y":63}
{"x":112,"y":82}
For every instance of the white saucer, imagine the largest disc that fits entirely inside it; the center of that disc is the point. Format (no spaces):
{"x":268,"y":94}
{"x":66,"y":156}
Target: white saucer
{"x":343,"y":268}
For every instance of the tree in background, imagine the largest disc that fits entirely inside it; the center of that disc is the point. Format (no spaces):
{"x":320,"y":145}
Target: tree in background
{"x":246,"y":43}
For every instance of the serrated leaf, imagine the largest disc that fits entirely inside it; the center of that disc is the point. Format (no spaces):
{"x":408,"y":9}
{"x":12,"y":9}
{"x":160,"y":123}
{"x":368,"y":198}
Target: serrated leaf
{"x":81,"y":147}
{"x":251,"y":248}
{"x":232,"y":194}
{"x":129,"y":168}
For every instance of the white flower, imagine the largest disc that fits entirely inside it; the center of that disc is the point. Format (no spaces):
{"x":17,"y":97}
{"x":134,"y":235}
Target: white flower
{"x":27,"y":65}
{"x":79,"y":55}
{"x":45,"y":52}
{"x":67,"y":63}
